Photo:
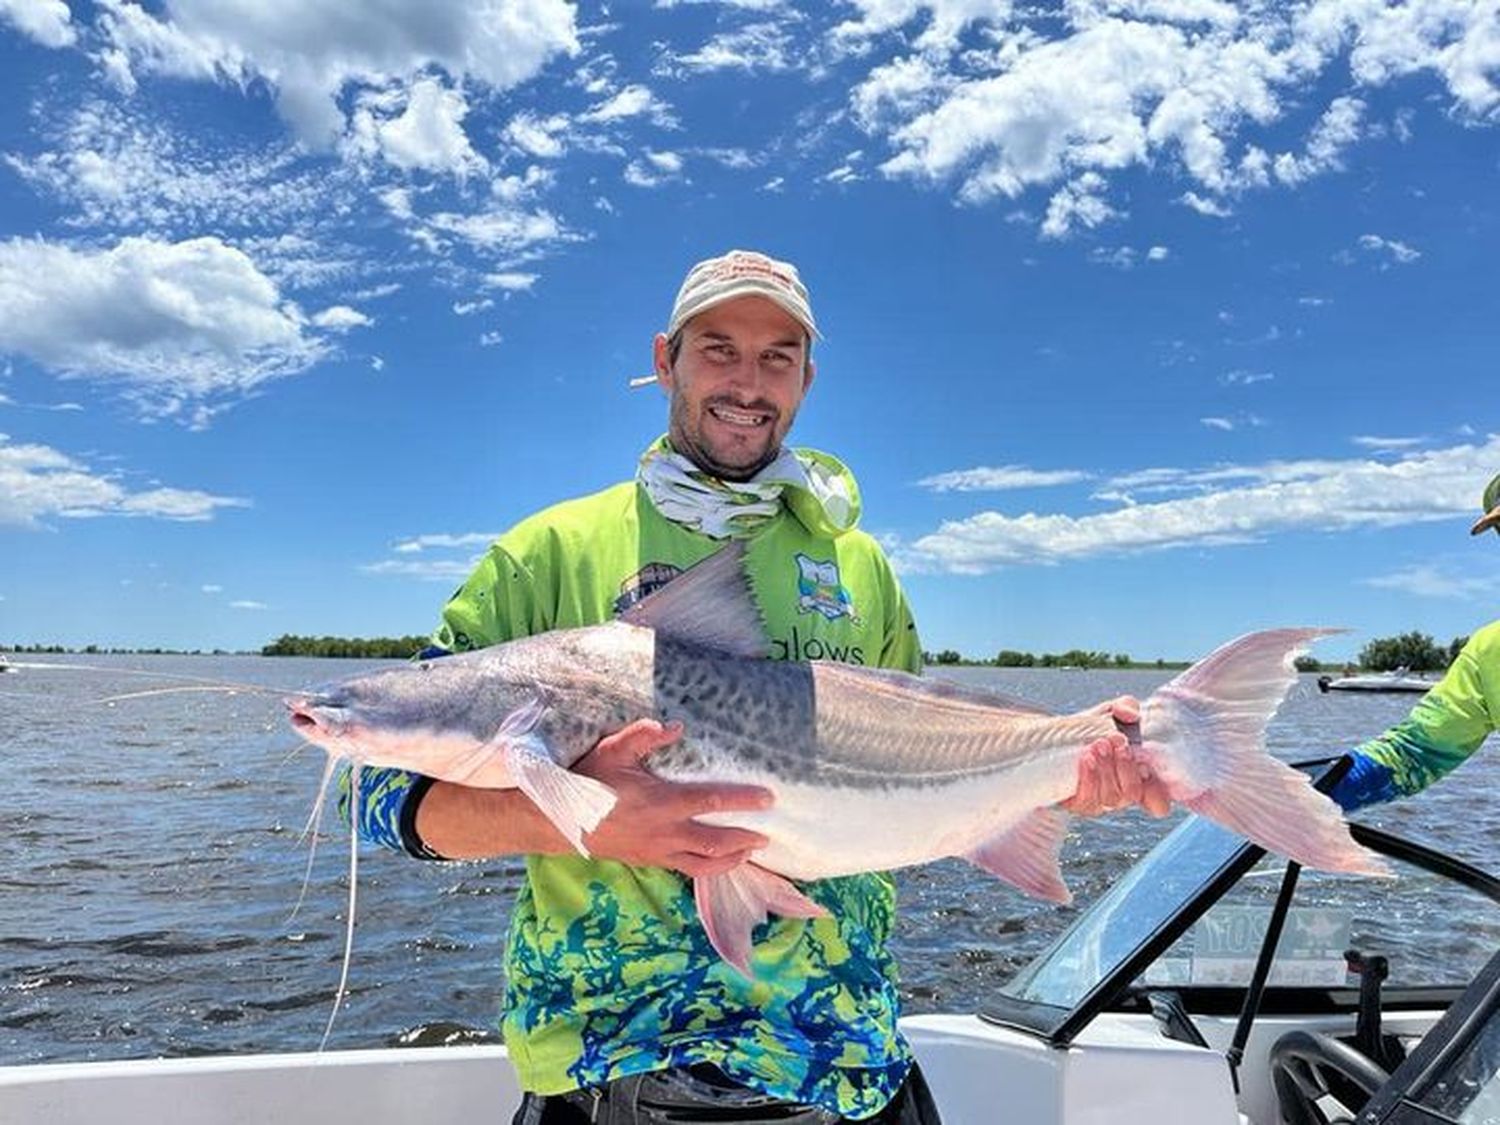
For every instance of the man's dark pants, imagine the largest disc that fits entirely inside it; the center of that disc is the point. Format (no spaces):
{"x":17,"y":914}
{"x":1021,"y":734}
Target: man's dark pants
{"x":686,"y":1095}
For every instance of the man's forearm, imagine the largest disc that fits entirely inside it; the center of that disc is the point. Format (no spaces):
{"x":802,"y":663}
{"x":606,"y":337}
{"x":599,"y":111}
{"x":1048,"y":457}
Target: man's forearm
{"x":458,"y":822}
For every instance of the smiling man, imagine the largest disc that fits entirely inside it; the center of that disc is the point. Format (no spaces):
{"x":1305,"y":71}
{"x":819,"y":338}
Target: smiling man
{"x":617,"y":1008}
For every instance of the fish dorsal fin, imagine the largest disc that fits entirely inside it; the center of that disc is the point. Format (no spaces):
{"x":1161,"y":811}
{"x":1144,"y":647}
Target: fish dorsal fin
{"x":708,"y":604}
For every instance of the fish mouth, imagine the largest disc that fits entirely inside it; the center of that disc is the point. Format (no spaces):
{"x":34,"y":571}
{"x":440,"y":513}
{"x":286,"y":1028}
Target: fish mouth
{"x":311,"y":717}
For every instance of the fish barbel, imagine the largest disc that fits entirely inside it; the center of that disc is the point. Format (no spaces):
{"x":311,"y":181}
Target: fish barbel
{"x":871,"y":769}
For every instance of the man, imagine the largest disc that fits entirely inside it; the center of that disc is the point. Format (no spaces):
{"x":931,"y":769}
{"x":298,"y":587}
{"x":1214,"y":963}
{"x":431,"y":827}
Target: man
{"x":616,"y":1007}
{"x":1448,"y":723}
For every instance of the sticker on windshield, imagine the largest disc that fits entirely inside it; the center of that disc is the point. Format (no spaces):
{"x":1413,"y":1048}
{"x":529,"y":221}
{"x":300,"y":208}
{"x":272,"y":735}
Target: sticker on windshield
{"x":1227,"y":940}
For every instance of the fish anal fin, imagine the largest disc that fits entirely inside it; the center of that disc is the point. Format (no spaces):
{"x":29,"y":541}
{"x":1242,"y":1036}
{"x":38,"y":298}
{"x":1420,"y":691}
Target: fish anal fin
{"x":1025,"y":854}
{"x":732,"y":904}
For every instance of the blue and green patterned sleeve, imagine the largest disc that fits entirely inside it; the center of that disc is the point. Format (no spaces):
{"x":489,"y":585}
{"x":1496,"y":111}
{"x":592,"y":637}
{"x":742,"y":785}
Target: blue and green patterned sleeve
{"x":483,"y":611}
{"x":1443,"y":730}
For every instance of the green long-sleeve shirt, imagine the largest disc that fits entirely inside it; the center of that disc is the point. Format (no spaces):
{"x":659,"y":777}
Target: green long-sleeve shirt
{"x":608,"y":971}
{"x":1447,"y":725}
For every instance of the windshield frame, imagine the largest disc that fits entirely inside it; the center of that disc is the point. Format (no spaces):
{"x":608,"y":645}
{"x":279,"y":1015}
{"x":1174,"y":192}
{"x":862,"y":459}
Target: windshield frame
{"x":1059,"y":1024}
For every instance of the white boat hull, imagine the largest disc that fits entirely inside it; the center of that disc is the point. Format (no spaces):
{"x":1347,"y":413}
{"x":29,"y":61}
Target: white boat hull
{"x":1120,"y":1071}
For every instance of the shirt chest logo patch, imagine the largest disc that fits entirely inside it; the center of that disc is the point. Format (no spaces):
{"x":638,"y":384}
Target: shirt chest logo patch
{"x":820,"y":591}
{"x":643,"y":583}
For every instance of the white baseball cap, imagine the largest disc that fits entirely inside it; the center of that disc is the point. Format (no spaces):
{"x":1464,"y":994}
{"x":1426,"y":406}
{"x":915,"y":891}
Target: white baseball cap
{"x":742,"y":273}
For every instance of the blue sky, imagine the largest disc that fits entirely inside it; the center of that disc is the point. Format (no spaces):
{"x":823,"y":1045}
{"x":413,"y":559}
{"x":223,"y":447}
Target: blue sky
{"x":1147,"y":322}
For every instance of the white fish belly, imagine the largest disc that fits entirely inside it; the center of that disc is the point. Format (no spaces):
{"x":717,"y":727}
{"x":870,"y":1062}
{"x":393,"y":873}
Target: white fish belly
{"x":817,"y":831}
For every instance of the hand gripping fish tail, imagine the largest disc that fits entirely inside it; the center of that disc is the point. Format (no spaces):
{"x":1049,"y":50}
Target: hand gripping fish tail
{"x":1204,"y":735}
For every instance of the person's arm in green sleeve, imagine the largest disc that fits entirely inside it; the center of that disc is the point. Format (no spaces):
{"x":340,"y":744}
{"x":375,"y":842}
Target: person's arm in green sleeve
{"x":1447,"y":725}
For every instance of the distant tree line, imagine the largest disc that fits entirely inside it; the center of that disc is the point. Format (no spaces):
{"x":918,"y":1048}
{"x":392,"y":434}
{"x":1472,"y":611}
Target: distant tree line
{"x":1415,"y":651}
{"x":1073,"y":658}
{"x":367,"y":648}
{"x":95,"y":650}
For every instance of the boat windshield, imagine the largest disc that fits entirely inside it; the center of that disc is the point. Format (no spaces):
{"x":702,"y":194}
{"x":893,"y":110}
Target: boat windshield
{"x":1120,"y":923}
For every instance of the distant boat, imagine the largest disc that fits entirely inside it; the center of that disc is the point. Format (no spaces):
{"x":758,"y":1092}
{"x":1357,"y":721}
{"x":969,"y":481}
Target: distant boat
{"x":1400,"y":679}
{"x":5,"y":664}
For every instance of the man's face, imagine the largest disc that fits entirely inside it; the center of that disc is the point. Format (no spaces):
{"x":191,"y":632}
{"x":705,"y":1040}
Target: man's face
{"x":736,"y":385}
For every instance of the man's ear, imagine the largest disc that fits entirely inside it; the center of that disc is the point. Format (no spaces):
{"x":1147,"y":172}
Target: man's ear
{"x":807,"y":375}
{"x":661,"y":359}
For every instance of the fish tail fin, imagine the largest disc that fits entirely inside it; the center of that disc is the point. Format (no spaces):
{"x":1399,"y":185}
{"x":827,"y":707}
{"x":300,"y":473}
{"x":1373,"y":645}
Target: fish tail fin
{"x":1204,"y":735}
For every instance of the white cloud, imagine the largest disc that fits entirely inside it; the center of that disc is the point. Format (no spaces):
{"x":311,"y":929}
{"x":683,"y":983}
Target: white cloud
{"x":465,"y":308}
{"x":502,"y":229}
{"x":1338,"y":129}
{"x":1427,"y":581}
{"x":1075,"y":204}
{"x":1260,"y":501}
{"x":49,"y":22}
{"x":1245,"y":378}
{"x":341,"y":318}
{"x":1389,"y":249}
{"x":210,"y":588}
{"x":943,"y":21}
{"x":429,"y":570}
{"x":418,"y":543}
{"x":490,"y":339}
{"x":632,"y":101}
{"x":38,"y":482}
{"x":538,"y":136}
{"x":427,"y":135}
{"x":1000,"y":478}
{"x":119,"y":169}
{"x":1204,"y":205}
{"x":1233,"y":422}
{"x":1119,"y":257}
{"x":1158,"y":254}
{"x":244,"y":604}
{"x":308,"y":51}
{"x":511,"y":281}
{"x":653,"y":169}
{"x":755,"y":47}
{"x":184,"y":328}
{"x":1185,"y":89}
{"x":1388,"y":443}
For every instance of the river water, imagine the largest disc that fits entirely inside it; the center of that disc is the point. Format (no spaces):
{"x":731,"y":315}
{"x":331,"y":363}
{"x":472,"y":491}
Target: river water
{"x":151,"y":858}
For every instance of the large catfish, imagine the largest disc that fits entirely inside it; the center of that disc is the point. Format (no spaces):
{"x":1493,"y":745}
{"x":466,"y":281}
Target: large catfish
{"x":871,"y":769}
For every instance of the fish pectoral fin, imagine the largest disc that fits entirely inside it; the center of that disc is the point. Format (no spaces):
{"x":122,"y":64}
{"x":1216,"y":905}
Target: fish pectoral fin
{"x":1025,"y":854}
{"x":731,"y":905}
{"x":575,"y":804}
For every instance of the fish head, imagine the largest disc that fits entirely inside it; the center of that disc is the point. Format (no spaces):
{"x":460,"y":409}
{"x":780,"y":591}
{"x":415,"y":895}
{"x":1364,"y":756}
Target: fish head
{"x":398,"y":716}
{"x":323,"y":717}
{"x":350,"y":711}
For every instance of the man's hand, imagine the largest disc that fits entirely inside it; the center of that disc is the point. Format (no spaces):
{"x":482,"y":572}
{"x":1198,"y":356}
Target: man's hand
{"x":1111,"y":776}
{"x":652,"y":822}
